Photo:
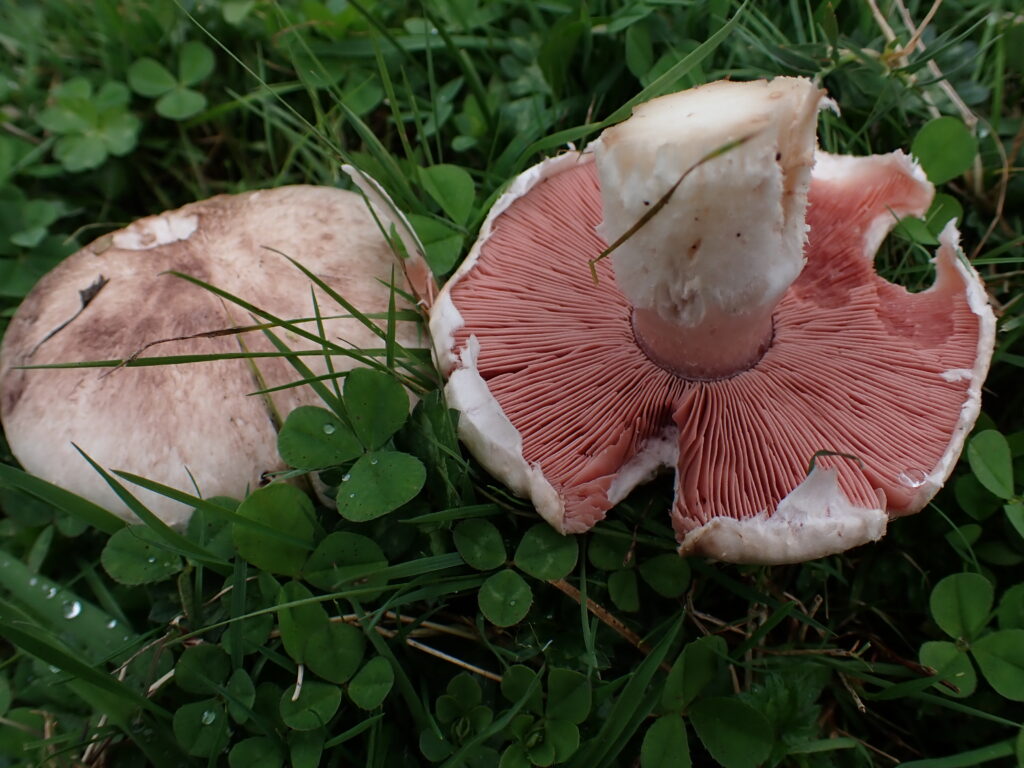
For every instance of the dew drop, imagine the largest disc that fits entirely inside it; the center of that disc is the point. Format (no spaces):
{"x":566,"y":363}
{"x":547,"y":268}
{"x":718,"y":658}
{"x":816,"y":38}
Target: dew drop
{"x":208,"y":717}
{"x":346,"y":477}
{"x":55,"y":670}
{"x":33,"y":581}
{"x":112,"y":623}
{"x":150,"y":560}
{"x":51,"y":593}
{"x":72,"y":609}
{"x":329,"y":429}
{"x":373,"y":461}
{"x":511,"y":603}
{"x":911,"y":478}
{"x":351,"y":495}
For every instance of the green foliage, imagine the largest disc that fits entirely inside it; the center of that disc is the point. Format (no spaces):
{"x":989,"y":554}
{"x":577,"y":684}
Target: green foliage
{"x":91,"y":124}
{"x":735,"y":734}
{"x":989,"y":457}
{"x":315,"y":438}
{"x":382,"y":602}
{"x":372,"y":683}
{"x":945,"y":148}
{"x":275,"y":530}
{"x":480,"y":544}
{"x":373,"y":409}
{"x":505,"y":598}
{"x":665,"y":744}
{"x":134,"y":555}
{"x":544,"y":554}
{"x":176,"y":100}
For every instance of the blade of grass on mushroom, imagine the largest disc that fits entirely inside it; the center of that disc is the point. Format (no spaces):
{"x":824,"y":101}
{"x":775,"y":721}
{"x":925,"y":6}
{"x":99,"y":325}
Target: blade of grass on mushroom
{"x":390,"y":342}
{"x":334,"y":295}
{"x":233,"y":331}
{"x":336,"y":404}
{"x":663,"y":200}
{"x":328,"y":359}
{"x":367,"y":357}
{"x":147,"y":362}
{"x":253,"y":309}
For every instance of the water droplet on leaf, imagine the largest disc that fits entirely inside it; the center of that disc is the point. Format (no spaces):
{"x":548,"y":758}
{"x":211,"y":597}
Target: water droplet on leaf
{"x":51,"y":592}
{"x":208,"y":717}
{"x":72,"y":609}
{"x":329,"y":429}
{"x":346,"y":477}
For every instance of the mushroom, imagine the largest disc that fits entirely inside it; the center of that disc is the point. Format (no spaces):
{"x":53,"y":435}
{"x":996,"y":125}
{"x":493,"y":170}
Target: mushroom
{"x":193,"y":426}
{"x":738,"y":335}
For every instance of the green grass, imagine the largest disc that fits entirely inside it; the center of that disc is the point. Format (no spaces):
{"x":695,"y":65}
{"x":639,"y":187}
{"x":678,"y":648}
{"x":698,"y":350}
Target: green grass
{"x":398,"y":617}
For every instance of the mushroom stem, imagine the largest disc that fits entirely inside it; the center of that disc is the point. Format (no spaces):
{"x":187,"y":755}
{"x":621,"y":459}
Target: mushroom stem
{"x":705,"y":273}
{"x":720,"y":346}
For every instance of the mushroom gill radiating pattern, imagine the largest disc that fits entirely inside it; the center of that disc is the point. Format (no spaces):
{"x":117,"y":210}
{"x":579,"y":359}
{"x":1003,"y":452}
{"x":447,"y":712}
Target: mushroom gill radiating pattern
{"x":857,"y":365}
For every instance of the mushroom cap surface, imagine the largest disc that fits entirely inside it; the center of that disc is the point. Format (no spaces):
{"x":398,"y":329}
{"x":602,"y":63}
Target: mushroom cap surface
{"x":194,"y":426}
{"x":874,"y":386}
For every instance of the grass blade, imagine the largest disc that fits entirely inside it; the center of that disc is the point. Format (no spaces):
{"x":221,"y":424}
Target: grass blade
{"x":174,"y":540}
{"x":65,"y":501}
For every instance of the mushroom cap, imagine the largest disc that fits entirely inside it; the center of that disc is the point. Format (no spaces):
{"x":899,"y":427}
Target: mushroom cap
{"x":191,"y":426}
{"x":874,"y":386}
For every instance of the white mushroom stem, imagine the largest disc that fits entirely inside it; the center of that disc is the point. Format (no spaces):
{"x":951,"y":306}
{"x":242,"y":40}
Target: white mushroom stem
{"x":705,"y":272}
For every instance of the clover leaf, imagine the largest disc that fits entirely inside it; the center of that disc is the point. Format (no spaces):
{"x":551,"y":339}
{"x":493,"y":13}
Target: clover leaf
{"x":176,"y":100}
{"x":90,"y":125}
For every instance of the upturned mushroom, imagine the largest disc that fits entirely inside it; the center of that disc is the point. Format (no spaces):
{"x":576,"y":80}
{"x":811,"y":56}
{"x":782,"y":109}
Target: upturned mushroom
{"x":192,"y":426}
{"x":738,"y":335}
